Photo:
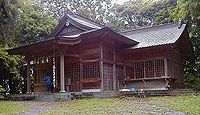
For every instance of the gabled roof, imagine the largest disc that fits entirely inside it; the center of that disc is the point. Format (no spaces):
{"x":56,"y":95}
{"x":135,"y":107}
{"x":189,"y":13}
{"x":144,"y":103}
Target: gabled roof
{"x":77,"y":21}
{"x":154,"y":36}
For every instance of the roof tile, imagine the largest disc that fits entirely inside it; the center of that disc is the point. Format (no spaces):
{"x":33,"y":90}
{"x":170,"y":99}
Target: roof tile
{"x":153,"y":36}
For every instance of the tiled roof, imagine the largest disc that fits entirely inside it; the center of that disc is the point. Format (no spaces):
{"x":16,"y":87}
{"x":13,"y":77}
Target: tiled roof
{"x":81,"y":22}
{"x":86,"y":22}
{"x":154,"y":36}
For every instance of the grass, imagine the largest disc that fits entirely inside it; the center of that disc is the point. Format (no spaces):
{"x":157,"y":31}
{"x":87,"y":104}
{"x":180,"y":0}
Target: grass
{"x":11,"y":108}
{"x":189,"y":104}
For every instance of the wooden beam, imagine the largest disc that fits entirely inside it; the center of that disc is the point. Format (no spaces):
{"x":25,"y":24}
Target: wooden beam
{"x":88,"y":61}
{"x":108,"y":61}
{"x":73,"y":55}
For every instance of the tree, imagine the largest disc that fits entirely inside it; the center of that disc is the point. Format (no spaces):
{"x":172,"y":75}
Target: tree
{"x":9,"y":67}
{"x":96,"y":10}
{"x":138,"y":13}
{"x":33,"y":23}
{"x":22,"y":22}
{"x":189,"y":12}
{"x":8,"y":13}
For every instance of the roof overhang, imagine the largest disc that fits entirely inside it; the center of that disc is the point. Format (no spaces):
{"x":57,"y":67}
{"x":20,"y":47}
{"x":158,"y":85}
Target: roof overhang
{"x":58,"y":44}
{"x":46,"y":46}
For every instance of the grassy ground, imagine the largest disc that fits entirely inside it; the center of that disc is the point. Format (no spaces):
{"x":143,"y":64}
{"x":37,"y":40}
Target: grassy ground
{"x":11,"y":108}
{"x":113,"y":106}
{"x":189,"y":104}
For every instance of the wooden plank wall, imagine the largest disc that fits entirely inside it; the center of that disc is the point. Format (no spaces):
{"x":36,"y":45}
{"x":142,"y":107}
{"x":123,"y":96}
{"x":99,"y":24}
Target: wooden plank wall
{"x":176,"y":68}
{"x":90,"y":56}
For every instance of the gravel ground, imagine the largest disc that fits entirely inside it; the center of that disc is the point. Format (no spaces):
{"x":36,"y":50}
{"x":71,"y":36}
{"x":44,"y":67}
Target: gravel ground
{"x":139,"y":107}
{"x":36,"y":107}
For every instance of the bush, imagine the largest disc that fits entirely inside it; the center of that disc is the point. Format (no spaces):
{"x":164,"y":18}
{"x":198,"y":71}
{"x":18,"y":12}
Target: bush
{"x":192,"y":81}
{"x":1,"y":91}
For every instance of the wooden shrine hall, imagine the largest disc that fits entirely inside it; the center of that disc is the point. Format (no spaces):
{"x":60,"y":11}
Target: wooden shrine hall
{"x":84,"y":56}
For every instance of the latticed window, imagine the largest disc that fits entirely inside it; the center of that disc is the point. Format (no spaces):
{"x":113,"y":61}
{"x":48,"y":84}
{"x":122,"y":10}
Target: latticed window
{"x":119,"y":76}
{"x":91,"y":70}
{"x":73,"y":71}
{"x":159,"y":68}
{"x":149,"y":69}
{"x":146,"y":69}
{"x":108,"y":77}
{"x":130,"y":70}
{"x":139,"y":69}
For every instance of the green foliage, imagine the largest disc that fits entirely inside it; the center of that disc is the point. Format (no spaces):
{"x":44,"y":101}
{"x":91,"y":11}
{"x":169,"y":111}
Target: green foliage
{"x":138,"y":13}
{"x":9,"y":68}
{"x":93,"y":9}
{"x":189,"y":104}
{"x":1,"y":91}
{"x":8,"y":63}
{"x":22,"y":22}
{"x":34,"y":24}
{"x":8,"y":13}
{"x":192,"y":81}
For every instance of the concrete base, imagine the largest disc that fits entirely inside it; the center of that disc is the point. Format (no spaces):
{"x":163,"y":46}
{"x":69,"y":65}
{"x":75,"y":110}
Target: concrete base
{"x":63,"y":96}
{"x":42,"y":97}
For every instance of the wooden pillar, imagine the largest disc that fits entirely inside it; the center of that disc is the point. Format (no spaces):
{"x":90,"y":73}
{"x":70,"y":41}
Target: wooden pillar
{"x":114,"y":77}
{"x":28,"y":77}
{"x":81,"y":67}
{"x":114,"y":69}
{"x":166,"y":69}
{"x":81,"y":75}
{"x":62,"y":74}
{"x":101,"y":66}
{"x":144,"y":69}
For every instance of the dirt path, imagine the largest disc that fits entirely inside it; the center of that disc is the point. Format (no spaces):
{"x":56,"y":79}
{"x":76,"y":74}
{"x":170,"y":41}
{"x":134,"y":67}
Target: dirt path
{"x":139,"y":107}
{"x":36,"y":107}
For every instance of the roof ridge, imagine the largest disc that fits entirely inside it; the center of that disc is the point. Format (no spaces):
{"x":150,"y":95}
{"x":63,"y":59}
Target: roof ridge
{"x":74,"y":14}
{"x":148,"y":27}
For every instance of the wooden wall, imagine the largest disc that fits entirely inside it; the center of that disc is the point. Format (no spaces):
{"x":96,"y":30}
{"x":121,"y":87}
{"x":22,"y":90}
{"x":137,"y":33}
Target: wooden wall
{"x":108,"y":63}
{"x":144,"y":67}
{"x":101,"y":67}
{"x":90,"y":65}
{"x":149,"y":64}
{"x":176,"y":68}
